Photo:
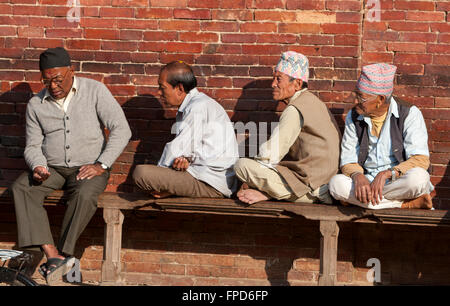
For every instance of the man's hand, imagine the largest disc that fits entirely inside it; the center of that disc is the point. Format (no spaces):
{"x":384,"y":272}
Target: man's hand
{"x":40,"y":174}
{"x":377,"y":186}
{"x":363,"y":191}
{"x":180,"y":163}
{"x":90,"y":171}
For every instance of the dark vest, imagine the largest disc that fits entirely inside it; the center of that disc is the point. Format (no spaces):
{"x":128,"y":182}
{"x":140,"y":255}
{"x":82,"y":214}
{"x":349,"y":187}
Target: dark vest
{"x":396,"y":133}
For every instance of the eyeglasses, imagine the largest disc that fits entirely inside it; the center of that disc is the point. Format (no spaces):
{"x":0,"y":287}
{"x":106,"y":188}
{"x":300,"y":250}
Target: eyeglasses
{"x":57,"y":80}
{"x":363,"y":100}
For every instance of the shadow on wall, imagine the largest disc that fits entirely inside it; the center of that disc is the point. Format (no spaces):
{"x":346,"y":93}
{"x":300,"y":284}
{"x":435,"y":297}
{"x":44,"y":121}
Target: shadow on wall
{"x":151,"y":122}
{"x":443,"y":191}
{"x":12,"y":132}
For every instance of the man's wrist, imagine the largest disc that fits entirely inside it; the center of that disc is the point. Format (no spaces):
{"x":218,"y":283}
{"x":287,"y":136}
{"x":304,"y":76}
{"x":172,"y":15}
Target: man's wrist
{"x":102,"y":165}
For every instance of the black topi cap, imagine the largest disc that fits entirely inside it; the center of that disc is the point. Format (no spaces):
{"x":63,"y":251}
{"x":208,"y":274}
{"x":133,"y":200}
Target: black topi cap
{"x":54,"y":57}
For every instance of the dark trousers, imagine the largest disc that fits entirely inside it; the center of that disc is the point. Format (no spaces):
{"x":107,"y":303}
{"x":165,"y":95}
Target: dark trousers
{"x":32,"y":220}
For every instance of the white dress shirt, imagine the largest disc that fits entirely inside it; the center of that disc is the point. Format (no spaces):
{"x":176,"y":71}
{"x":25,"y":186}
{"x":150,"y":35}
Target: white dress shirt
{"x":204,"y":133}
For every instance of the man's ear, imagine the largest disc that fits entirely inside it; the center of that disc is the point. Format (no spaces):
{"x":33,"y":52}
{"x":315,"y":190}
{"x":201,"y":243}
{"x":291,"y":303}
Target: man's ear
{"x":298,"y":84}
{"x":381,"y":99}
{"x":180,"y":89}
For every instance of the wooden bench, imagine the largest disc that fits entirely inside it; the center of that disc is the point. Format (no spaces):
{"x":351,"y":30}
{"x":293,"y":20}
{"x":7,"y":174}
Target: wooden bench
{"x":328,"y":216}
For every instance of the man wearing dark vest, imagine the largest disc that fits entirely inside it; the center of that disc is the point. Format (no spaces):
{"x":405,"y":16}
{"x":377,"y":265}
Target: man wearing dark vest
{"x":384,"y":150}
{"x":302,"y":154}
{"x":66,"y":148}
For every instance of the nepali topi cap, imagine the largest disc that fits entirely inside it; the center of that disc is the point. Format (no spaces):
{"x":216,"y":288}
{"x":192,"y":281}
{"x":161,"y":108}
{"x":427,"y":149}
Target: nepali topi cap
{"x":377,"y":79}
{"x":294,"y":64}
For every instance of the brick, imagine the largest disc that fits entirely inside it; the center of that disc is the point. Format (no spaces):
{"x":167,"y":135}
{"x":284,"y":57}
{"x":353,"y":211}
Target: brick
{"x":299,"y":28}
{"x":168,"y":3}
{"x":275,"y":16}
{"x":409,"y":26}
{"x":340,"y":28}
{"x":63,"y":33}
{"x":29,"y":10}
{"x":191,"y":14}
{"x":418,"y":37}
{"x":406,"y":47}
{"x":101,"y":34}
{"x":154,"y":13}
{"x":137,"y":24}
{"x":342,"y":5}
{"x":182,"y":25}
{"x":414,"y":5}
{"x":100,"y":67}
{"x":412,"y":58}
{"x":305,"y":4}
{"x":134,"y":3}
{"x":425,"y":16}
{"x":340,"y":51}
{"x":349,"y":17}
{"x":438,"y":48}
{"x":277,"y":38}
{"x":261,"y":49}
{"x":238,"y":38}
{"x":83,"y":44}
{"x":198,"y":36}
{"x":8,"y":31}
{"x":315,"y":17}
{"x":160,"y":36}
{"x":232,"y":15}
{"x":258,"y":27}
{"x":207,"y":3}
{"x":215,"y":26}
{"x":30,"y":32}
{"x":117,"y":12}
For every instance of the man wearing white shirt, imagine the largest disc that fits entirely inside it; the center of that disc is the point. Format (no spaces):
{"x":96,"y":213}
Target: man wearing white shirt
{"x":199,"y":161}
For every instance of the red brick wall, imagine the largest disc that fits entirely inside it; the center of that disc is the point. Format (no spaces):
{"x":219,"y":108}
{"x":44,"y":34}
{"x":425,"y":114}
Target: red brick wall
{"x":233,"y":46}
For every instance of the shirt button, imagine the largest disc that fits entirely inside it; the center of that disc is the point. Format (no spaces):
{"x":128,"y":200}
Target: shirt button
{"x":68,"y":160}
{"x":67,"y":118}
{"x":68,"y":131}
{"x":67,"y":147}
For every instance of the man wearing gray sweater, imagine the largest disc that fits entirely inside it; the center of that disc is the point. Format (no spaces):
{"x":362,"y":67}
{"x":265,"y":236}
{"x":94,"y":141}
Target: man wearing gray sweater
{"x":66,"y":148}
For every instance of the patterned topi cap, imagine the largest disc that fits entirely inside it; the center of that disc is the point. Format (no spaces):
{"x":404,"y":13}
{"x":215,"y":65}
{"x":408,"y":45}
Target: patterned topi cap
{"x":377,"y":79}
{"x":294,"y":64}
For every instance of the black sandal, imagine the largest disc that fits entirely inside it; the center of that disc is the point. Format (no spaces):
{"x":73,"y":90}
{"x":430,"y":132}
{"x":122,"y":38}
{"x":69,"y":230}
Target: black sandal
{"x":55,"y":268}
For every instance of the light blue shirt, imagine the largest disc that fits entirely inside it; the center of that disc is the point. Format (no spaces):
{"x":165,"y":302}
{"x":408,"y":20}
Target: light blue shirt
{"x":205,"y":133}
{"x":380,"y":156}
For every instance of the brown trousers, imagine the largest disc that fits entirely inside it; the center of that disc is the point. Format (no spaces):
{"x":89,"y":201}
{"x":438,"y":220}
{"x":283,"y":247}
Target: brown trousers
{"x":32,"y":220}
{"x":180,"y":183}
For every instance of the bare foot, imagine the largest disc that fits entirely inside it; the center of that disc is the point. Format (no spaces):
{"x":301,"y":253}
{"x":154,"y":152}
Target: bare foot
{"x":160,"y":194}
{"x":343,"y":203}
{"x":422,"y":202}
{"x":251,"y":196}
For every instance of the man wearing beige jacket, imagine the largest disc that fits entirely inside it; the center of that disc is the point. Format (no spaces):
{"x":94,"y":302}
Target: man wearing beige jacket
{"x":302,"y":154}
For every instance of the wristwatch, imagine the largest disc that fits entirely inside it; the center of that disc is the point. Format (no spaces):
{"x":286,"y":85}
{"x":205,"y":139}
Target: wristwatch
{"x":393,"y":175}
{"x":104,"y":167}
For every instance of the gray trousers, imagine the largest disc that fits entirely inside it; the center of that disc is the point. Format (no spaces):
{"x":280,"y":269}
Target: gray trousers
{"x":180,"y":183}
{"x":32,"y":220}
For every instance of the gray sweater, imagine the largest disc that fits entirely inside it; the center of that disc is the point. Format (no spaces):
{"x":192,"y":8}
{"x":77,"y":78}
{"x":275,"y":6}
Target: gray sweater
{"x":75,"y":138}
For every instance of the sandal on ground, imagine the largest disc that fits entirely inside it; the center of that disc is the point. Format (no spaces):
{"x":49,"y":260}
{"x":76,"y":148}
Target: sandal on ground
{"x":55,"y":268}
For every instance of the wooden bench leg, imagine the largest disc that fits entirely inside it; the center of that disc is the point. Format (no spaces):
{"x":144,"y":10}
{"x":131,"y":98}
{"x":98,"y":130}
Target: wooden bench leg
{"x":111,"y":266}
{"x":329,"y":231}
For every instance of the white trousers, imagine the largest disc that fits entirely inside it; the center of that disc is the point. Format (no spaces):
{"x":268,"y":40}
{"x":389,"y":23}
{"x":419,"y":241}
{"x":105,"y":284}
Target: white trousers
{"x":414,"y":183}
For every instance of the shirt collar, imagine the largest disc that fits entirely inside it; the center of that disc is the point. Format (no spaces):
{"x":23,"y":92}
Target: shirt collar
{"x":193,"y":92}
{"x":297,"y":94}
{"x":74,"y":89}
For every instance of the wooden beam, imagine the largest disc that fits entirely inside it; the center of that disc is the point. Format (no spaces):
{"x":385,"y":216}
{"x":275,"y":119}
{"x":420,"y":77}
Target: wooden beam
{"x":329,"y":232}
{"x":111,"y":266}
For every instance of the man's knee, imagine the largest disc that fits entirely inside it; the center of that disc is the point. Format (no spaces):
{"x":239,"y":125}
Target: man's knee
{"x":242,"y":168}
{"x":338,"y":186}
{"x":138,"y":174}
{"x":417,"y":178}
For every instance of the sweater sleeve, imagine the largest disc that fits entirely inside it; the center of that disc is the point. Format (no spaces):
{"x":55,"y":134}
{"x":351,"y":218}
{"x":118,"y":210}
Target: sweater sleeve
{"x":414,"y":161}
{"x":34,"y":136}
{"x":113,"y":118}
